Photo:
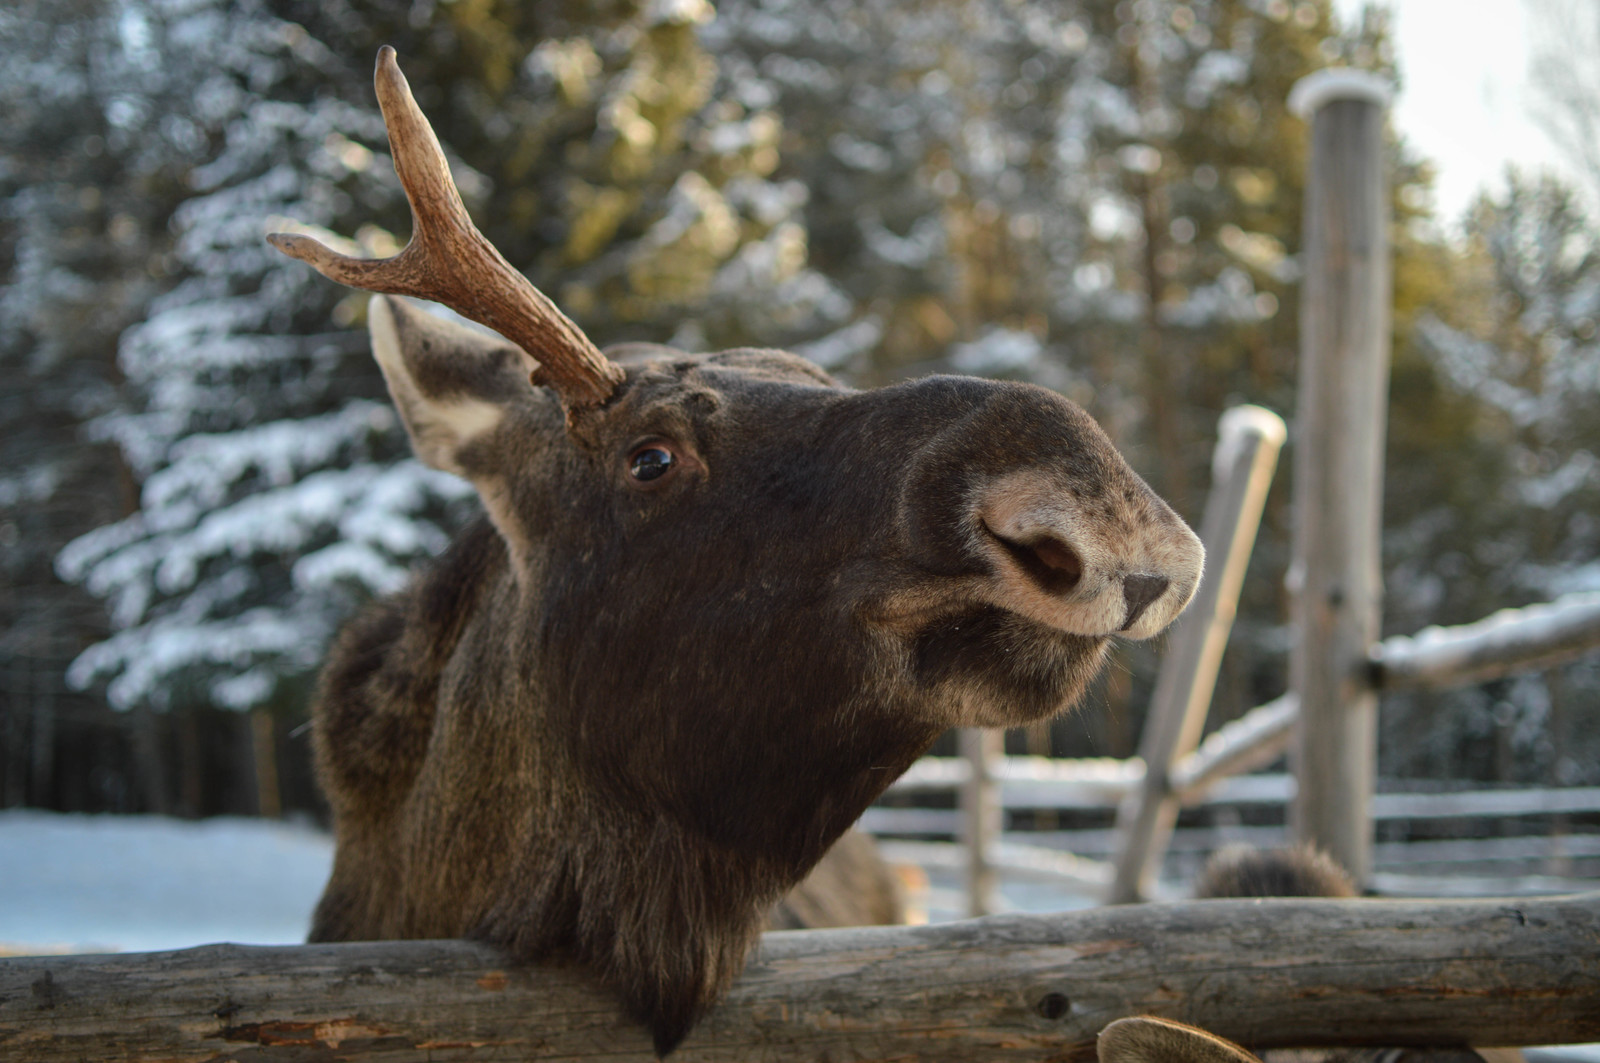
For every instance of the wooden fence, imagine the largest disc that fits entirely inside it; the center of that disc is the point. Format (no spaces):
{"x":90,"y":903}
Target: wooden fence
{"x":1266,"y":973}
{"x":1337,"y":667}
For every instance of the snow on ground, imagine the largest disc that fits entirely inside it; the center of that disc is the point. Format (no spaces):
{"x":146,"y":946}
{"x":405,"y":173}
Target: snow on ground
{"x":83,"y":883}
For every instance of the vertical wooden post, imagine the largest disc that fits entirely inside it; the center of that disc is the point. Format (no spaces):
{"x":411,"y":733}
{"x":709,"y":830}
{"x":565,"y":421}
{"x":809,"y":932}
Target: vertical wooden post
{"x":1335,"y":577}
{"x":981,"y":817}
{"x":1248,"y":440}
{"x":264,"y":744}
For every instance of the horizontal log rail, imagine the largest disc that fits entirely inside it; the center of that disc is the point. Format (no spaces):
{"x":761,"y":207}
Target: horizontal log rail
{"x":1260,"y":789}
{"x":1524,"y":856}
{"x":1012,"y":856}
{"x":1252,"y":741}
{"x":1266,"y":973}
{"x":1512,"y":640}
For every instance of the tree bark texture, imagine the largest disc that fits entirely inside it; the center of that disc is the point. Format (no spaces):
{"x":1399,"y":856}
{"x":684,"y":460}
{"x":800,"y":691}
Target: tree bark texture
{"x":1338,"y":477}
{"x":1263,"y":972}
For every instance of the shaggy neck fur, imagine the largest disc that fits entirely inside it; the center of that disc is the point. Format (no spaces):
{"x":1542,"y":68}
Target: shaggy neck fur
{"x":541,"y":863}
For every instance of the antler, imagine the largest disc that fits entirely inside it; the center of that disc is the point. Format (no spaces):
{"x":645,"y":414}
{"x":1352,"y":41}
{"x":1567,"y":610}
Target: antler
{"x":449,"y":261}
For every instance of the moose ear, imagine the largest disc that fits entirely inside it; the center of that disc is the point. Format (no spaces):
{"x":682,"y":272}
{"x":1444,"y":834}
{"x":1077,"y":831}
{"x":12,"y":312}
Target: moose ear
{"x":1147,"y":1039}
{"x":450,"y":383}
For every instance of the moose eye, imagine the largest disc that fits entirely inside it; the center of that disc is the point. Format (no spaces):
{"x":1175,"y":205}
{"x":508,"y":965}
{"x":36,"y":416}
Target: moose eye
{"x":651,"y":462}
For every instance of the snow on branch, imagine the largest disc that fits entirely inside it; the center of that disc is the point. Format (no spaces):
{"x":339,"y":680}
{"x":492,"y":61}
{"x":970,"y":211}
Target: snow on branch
{"x":1512,"y":640}
{"x":1252,"y":741}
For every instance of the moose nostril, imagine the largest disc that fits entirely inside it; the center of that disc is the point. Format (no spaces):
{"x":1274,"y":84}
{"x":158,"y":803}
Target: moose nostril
{"x":1138,"y":592}
{"x":1059,"y":558}
{"x":1051,"y":563}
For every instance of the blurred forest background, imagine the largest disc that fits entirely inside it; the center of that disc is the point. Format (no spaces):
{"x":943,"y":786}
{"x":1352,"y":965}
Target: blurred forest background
{"x":200,"y":475}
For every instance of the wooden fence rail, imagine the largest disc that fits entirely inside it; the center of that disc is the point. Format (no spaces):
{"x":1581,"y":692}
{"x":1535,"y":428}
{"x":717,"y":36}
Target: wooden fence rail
{"x":1265,"y":789}
{"x":1512,"y":640}
{"x":1266,"y":973}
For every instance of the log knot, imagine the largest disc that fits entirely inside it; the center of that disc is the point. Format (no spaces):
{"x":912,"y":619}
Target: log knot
{"x":1053,"y":1006}
{"x":46,"y":993}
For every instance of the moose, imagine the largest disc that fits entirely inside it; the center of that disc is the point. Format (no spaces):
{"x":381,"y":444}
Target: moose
{"x":714,"y":605}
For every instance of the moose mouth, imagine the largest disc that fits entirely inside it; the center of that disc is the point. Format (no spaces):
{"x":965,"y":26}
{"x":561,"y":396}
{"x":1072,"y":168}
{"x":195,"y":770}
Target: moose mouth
{"x":1011,"y":667}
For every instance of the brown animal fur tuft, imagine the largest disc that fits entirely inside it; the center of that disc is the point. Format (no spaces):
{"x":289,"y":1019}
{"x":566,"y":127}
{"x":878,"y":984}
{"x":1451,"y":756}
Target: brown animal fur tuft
{"x":1300,"y":871}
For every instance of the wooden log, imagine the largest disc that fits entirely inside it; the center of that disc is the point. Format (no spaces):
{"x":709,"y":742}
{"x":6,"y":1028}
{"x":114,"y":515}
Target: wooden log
{"x":1013,"y":857}
{"x":1338,"y":471}
{"x":1248,"y":440}
{"x":1252,"y":741}
{"x":1262,"y":972}
{"x":1277,"y":789}
{"x":982,"y":817}
{"x":1512,"y":640}
{"x":1088,"y":782}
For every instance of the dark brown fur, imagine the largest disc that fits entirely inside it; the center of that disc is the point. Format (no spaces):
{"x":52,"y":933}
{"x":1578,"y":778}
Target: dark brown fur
{"x":617,"y":721}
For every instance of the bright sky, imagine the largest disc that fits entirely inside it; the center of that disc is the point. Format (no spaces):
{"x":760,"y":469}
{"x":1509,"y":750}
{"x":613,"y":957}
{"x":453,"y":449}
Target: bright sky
{"x":1465,"y":101}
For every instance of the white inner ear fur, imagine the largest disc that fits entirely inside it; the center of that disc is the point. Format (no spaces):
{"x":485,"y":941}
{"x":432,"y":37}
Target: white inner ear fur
{"x":438,"y":428}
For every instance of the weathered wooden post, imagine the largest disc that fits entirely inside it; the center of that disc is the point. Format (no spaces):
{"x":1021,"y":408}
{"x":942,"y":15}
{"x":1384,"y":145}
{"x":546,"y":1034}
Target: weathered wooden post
{"x":1248,"y":439}
{"x":982,"y":817}
{"x":1335,"y":578}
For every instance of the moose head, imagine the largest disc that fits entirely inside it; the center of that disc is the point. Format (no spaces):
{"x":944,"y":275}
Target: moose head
{"x":716,"y":604}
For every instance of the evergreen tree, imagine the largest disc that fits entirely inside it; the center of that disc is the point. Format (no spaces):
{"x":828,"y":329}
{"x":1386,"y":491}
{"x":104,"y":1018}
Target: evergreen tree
{"x":88,"y":175}
{"x":1493,"y":494}
{"x":272,"y":497}
{"x":269,"y":496}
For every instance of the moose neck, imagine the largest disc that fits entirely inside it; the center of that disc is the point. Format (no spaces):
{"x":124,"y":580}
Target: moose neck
{"x":644,"y":833}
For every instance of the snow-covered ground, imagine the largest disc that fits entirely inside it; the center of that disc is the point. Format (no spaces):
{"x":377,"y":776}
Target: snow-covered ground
{"x":142,"y":883}
{"x":77,"y":883}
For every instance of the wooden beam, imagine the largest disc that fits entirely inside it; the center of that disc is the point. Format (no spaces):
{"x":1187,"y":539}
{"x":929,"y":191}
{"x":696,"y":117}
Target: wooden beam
{"x":1512,"y":640}
{"x":1262,"y":972}
{"x":1248,"y":440}
{"x":1252,"y":741}
{"x":982,"y":817}
{"x":1088,"y":782}
{"x":1338,"y":466}
{"x":1013,"y":857}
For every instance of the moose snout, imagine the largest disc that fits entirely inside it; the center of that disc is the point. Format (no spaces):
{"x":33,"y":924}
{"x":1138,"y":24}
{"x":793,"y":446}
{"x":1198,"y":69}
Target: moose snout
{"x":1107,"y":563}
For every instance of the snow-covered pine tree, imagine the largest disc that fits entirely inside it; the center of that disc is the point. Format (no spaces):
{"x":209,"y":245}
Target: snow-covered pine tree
{"x":88,"y":178}
{"x":270,"y":494}
{"x":1501,"y":508}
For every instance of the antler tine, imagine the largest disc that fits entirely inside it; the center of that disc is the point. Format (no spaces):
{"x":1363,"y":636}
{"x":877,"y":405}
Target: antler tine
{"x":449,"y":261}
